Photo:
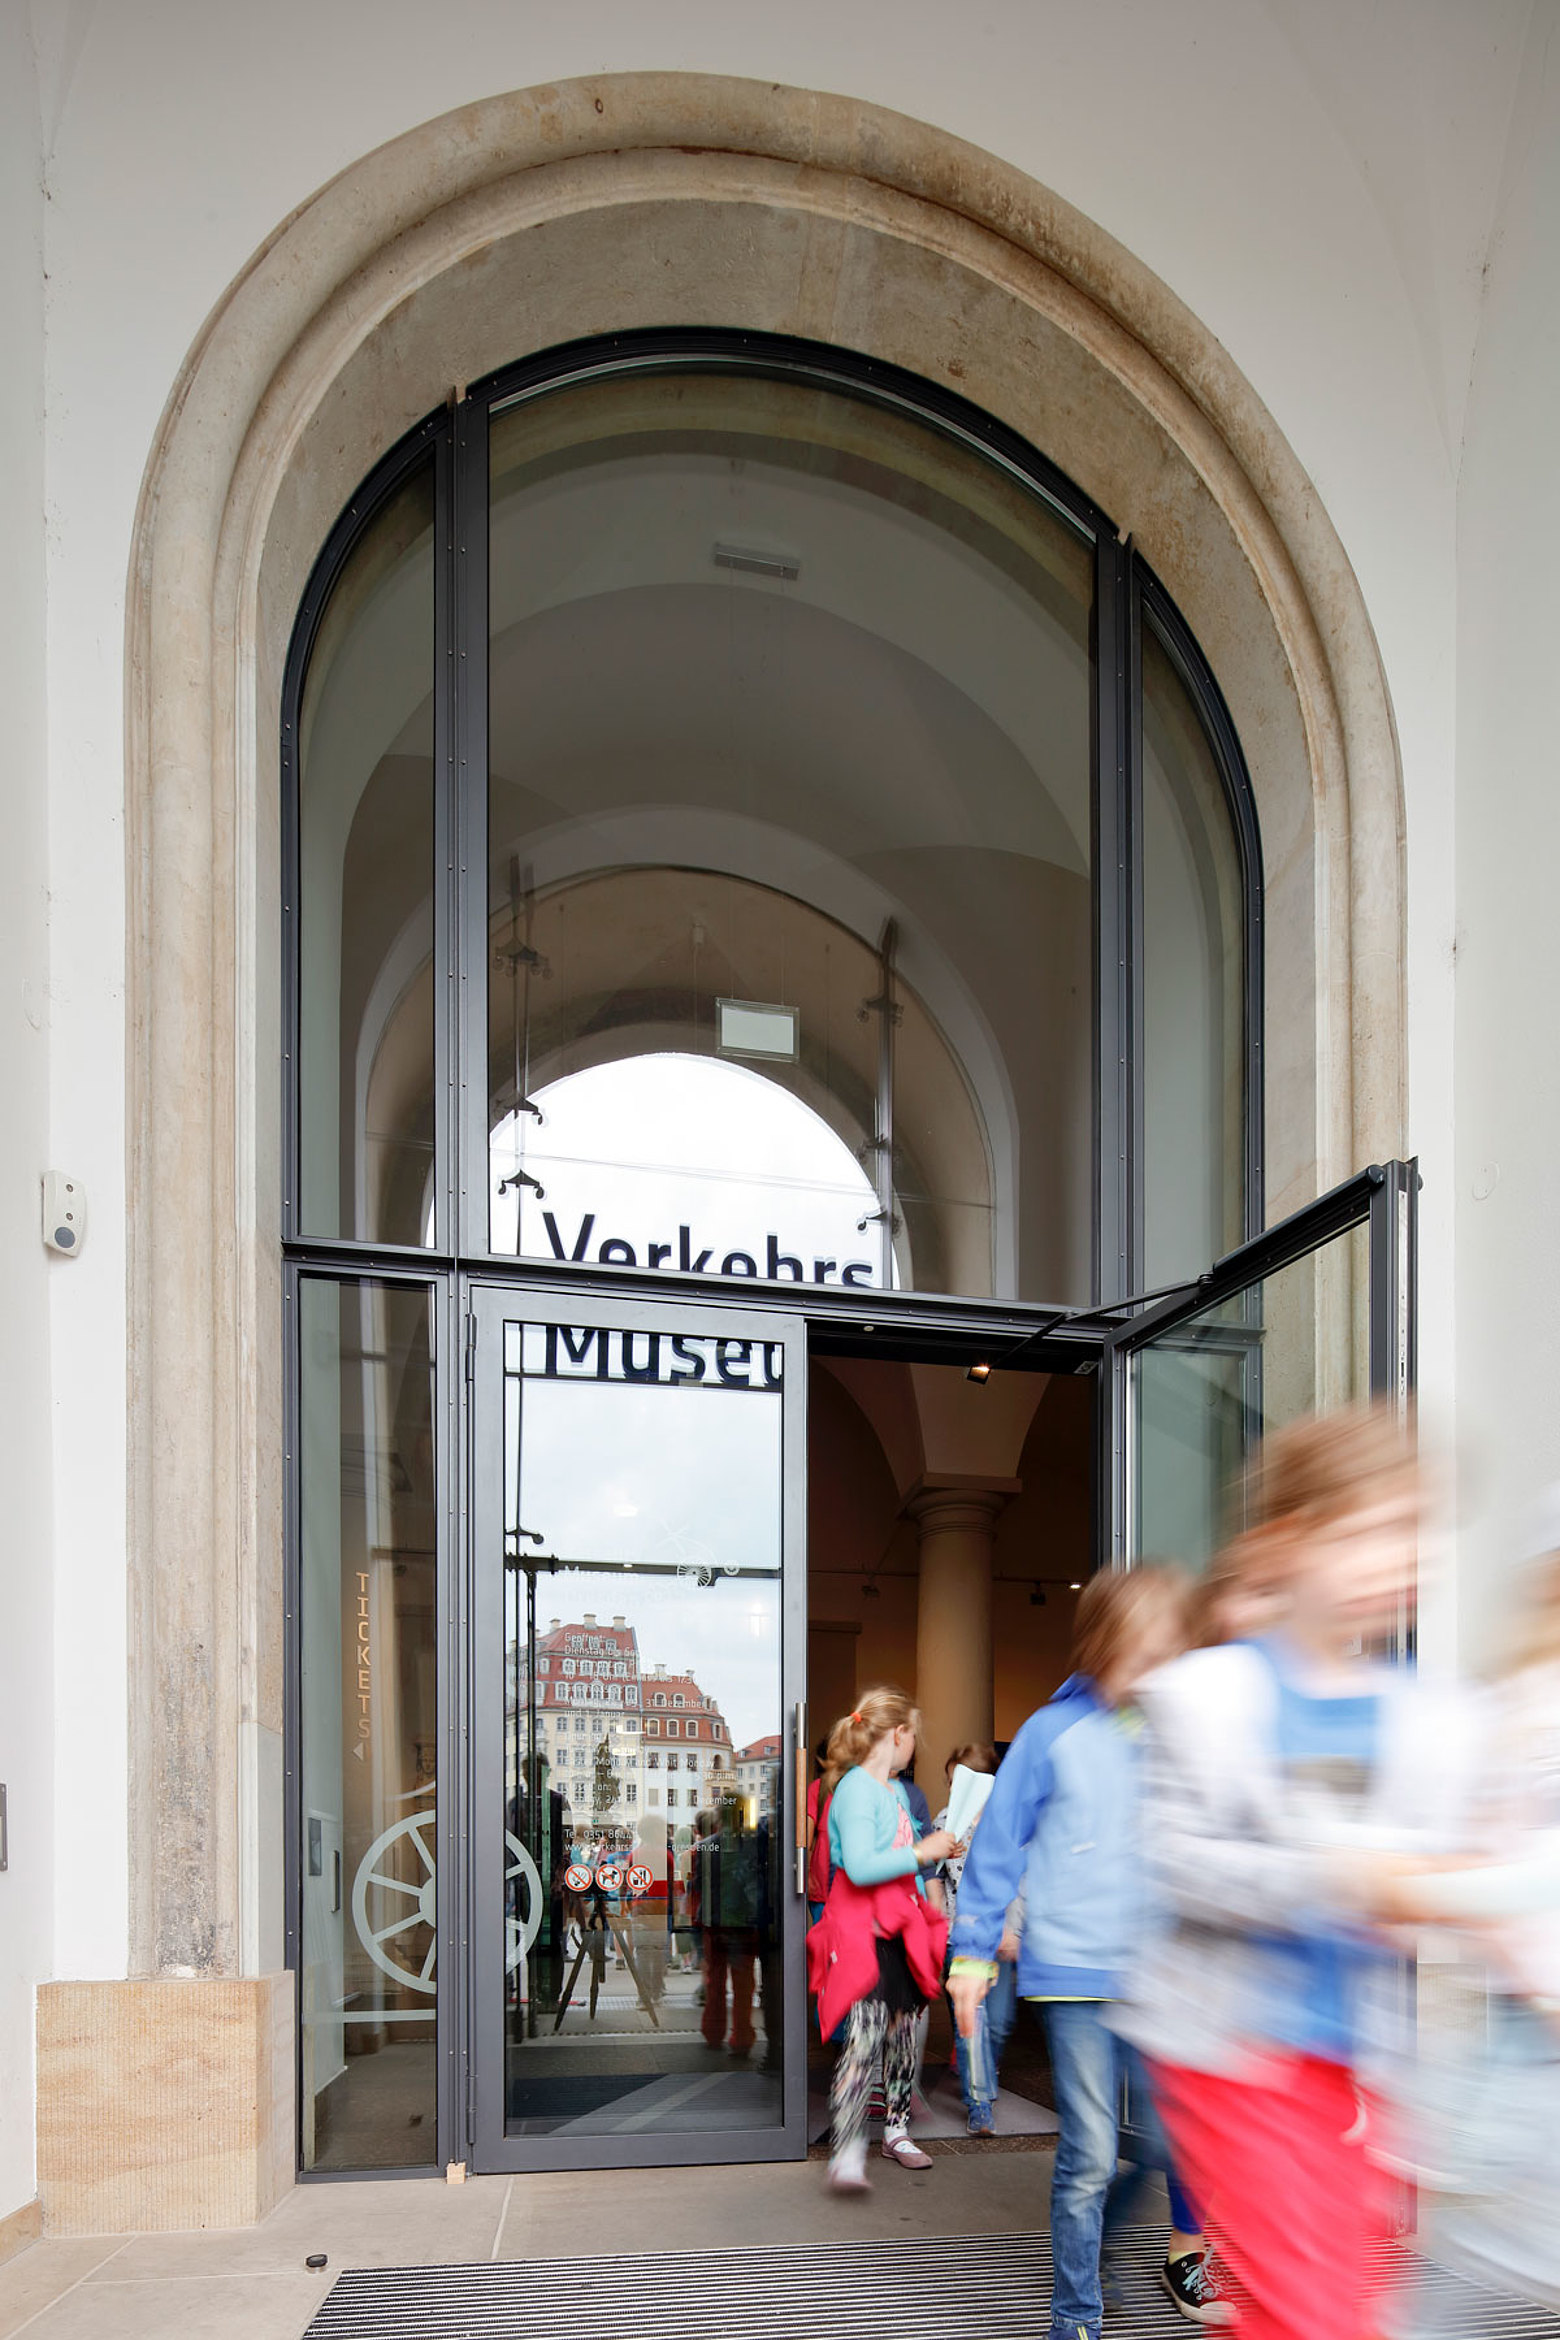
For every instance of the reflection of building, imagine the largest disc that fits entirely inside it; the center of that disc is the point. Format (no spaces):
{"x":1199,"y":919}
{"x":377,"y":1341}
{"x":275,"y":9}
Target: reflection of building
{"x":758,"y":1775}
{"x":686,"y":1748}
{"x":587,"y":1720}
{"x":621,"y":1747}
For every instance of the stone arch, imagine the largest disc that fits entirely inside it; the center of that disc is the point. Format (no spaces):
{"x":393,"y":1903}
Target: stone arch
{"x":518,"y":222}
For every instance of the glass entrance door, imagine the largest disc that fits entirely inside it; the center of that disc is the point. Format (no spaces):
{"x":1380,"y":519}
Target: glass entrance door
{"x":638,"y":1637}
{"x":1314,"y":1314}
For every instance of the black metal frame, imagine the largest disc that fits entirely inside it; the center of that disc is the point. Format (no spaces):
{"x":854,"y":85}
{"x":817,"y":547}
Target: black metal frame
{"x":890,"y":1324}
{"x":1383,"y":1198}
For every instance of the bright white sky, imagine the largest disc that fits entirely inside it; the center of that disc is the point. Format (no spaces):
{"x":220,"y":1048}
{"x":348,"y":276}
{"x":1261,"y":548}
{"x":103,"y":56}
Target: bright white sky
{"x":653,"y":1143}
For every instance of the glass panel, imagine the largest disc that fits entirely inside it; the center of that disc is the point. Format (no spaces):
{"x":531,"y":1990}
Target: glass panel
{"x":367,"y":1726}
{"x":1193,"y":990}
{"x":1205,"y":1392}
{"x":365,"y":843}
{"x":642,"y":1689}
{"x":789,"y":707}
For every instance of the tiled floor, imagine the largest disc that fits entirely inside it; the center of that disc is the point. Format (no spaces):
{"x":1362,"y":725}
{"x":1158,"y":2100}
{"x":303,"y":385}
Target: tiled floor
{"x":251,"y":2284}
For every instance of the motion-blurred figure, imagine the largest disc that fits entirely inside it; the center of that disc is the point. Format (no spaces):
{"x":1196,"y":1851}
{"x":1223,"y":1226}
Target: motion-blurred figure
{"x":1482,"y":2112}
{"x":1063,"y":1822}
{"x":1274,"y":1764}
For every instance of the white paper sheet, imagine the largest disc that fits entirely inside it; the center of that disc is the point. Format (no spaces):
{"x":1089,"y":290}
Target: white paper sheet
{"x":967,"y":1798}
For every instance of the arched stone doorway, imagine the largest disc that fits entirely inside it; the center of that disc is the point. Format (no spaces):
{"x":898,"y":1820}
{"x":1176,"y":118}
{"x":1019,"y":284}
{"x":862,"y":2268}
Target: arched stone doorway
{"x":529,"y":220}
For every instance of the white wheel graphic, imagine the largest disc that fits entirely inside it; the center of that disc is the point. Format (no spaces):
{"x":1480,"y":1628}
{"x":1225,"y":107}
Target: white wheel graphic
{"x":393,"y":1901}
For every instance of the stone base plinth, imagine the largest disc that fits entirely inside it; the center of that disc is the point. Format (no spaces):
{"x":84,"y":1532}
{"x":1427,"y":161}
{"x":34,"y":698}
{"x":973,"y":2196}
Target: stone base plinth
{"x":164,"y":2104}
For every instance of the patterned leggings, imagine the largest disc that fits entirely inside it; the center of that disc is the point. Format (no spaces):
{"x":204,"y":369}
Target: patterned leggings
{"x":871,"y":2032}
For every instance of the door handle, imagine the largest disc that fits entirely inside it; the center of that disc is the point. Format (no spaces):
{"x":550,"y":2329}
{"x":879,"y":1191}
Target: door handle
{"x":799,"y":1725}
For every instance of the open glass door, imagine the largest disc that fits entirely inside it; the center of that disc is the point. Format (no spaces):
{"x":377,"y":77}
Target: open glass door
{"x":1315,"y":1313}
{"x":638,"y":1626}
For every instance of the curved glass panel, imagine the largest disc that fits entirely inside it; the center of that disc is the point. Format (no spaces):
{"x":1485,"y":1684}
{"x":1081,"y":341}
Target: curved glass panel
{"x":365,"y":889}
{"x":789,"y":754}
{"x":1193,"y":952}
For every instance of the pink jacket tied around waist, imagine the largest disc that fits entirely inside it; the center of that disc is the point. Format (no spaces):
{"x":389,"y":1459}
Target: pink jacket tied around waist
{"x":842,"y":1949}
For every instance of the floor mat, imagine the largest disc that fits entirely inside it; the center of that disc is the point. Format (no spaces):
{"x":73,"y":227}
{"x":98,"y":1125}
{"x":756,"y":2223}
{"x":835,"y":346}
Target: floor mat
{"x":927,"y":2288}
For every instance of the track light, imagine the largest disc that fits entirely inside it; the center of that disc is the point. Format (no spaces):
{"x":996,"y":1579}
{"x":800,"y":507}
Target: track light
{"x":978,"y":1373}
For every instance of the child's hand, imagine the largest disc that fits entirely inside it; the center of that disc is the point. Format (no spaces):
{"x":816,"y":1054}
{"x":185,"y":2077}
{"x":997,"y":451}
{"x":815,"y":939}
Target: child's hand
{"x":966,"y":1992}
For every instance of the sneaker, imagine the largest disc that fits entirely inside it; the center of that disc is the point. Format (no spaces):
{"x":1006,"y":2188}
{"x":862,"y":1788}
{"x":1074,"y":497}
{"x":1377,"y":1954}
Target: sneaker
{"x":848,"y":2171}
{"x":980,"y":2123}
{"x":897,"y":2146}
{"x":1193,"y":2285}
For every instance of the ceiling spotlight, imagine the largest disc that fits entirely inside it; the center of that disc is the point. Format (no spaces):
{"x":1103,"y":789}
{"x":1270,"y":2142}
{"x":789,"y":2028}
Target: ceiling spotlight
{"x":978,"y":1373}
{"x":1075,"y":1588}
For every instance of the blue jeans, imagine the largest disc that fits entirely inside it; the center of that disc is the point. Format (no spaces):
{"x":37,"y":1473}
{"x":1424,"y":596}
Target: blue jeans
{"x":980,"y":2055}
{"x":1090,"y":2199}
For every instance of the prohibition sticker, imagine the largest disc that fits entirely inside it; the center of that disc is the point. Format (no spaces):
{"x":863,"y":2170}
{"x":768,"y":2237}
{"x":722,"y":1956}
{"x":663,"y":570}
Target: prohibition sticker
{"x":640,"y":1879}
{"x":576,"y":1876}
{"x":610,"y":1879}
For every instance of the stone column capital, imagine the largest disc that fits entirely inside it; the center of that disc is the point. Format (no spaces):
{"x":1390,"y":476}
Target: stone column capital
{"x":948,"y":1503}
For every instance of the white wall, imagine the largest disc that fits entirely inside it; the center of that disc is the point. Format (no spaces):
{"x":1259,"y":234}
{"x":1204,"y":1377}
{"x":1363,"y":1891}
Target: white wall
{"x":1508,"y":856}
{"x":25,"y":1271}
{"x":1315,"y":179}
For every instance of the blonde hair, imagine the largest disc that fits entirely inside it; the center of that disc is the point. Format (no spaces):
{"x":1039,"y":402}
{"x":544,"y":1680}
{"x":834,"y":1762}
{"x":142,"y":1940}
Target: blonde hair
{"x":856,"y":1734}
{"x":1326,"y":1467}
{"x":978,"y":1755}
{"x":1113,"y":1602}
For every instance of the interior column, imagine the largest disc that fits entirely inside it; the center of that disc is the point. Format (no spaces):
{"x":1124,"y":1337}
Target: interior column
{"x":956,"y":1525}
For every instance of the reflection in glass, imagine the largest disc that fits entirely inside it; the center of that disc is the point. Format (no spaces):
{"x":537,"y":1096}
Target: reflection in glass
{"x":1193,"y":990}
{"x":365,"y":848}
{"x":728,"y":1169}
{"x":1206,"y":1391}
{"x":790,"y":704}
{"x":367,"y":1726}
{"x":643,"y":1985}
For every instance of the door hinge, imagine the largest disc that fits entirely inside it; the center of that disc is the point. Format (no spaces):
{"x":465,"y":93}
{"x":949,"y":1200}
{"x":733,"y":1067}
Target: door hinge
{"x":471,"y":1345}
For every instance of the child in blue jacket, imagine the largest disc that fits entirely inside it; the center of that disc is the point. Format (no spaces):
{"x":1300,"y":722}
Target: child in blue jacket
{"x":1061,"y":1825}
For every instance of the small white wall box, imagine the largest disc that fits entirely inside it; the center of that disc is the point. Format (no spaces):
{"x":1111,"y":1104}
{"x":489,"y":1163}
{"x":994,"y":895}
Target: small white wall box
{"x":64,"y":1212}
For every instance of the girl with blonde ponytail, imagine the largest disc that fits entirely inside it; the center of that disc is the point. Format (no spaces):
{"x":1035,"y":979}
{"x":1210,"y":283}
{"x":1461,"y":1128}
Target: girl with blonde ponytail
{"x":874,"y":1857}
{"x":855,"y":1734}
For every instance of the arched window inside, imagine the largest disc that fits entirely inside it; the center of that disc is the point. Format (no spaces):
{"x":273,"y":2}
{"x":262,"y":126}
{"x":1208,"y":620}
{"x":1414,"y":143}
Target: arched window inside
{"x":806,"y":722}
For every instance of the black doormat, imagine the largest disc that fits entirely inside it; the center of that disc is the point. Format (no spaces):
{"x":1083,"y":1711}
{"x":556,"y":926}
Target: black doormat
{"x":973,"y":2287}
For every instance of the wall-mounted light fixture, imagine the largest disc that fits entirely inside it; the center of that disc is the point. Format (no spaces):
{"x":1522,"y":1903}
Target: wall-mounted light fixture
{"x":1037,"y":1596}
{"x":978,"y":1373}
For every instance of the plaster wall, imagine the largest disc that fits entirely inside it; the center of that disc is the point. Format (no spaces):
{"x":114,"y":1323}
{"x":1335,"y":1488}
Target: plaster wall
{"x":1316,"y":182}
{"x":1508,"y":939}
{"x":28,"y":1285}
